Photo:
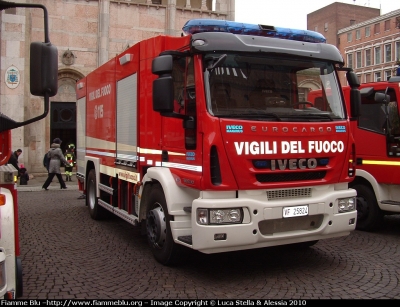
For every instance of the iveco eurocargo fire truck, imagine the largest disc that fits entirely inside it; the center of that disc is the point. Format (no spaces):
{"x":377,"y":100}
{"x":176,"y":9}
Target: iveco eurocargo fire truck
{"x":207,"y":141}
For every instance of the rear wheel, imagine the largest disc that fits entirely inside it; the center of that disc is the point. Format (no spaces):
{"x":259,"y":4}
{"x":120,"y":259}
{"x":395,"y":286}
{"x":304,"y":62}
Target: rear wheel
{"x":158,"y":229}
{"x":96,"y":211}
{"x":369,"y":215}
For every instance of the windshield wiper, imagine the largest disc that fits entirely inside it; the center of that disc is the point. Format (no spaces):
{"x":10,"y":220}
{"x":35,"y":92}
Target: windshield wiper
{"x":260,"y":116}
{"x":314,"y":116}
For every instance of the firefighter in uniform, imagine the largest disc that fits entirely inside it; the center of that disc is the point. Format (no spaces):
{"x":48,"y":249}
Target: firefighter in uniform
{"x":70,"y":157}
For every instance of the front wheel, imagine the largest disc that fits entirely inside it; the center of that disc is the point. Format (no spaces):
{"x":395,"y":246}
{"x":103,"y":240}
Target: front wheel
{"x":95,"y":210}
{"x":369,"y":215}
{"x":158,"y":229}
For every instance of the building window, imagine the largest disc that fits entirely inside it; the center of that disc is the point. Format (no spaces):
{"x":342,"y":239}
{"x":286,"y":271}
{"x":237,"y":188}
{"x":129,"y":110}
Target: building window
{"x":387,"y":25}
{"x":350,"y":60}
{"x":388,"y":53}
{"x":367,"y":78}
{"x":367,"y":31}
{"x":358,"y":34}
{"x":377,"y":76}
{"x":349,"y":37}
{"x":376,"y":28}
{"x":358,"y":59}
{"x":388,"y":74}
{"x":397,"y":51}
{"x":377,"y":55}
{"x":326,"y":27}
{"x":368,"y":57}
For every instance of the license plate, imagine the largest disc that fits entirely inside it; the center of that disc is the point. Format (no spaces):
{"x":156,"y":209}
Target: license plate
{"x":295,"y":211}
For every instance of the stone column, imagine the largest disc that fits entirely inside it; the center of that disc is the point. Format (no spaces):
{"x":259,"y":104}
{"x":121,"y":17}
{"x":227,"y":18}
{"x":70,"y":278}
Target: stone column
{"x":231,"y":10}
{"x":204,"y":5}
{"x":188,"y":6}
{"x":170,"y":16}
{"x":104,"y":24}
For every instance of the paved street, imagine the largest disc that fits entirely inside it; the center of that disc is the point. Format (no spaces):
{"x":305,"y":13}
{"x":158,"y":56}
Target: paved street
{"x":66,"y":254}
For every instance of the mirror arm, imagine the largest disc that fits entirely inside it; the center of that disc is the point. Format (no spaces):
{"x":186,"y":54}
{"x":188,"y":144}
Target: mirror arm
{"x":6,"y":5}
{"x":7,"y":123}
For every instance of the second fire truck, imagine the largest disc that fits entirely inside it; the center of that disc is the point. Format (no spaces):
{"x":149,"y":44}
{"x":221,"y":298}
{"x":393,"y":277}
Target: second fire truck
{"x":207,"y":141}
{"x":377,"y":135}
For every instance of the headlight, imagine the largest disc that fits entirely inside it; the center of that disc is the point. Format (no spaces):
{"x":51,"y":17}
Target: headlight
{"x":346,"y":204}
{"x":219,"y":216}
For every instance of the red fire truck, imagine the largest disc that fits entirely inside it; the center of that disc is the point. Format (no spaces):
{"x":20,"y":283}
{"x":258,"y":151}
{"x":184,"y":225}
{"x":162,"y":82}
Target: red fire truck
{"x":377,"y":135}
{"x":204,"y":141}
{"x":43,"y":82}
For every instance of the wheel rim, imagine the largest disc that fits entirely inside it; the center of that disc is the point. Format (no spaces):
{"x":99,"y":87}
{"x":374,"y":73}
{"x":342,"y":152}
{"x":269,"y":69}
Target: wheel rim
{"x":91,"y":194}
{"x":156,"y":227}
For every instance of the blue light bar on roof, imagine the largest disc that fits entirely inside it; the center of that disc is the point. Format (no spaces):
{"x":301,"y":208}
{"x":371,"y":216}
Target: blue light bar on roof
{"x":194,"y":26}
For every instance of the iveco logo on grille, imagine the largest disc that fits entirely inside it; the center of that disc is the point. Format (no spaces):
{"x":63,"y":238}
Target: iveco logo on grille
{"x":282,"y":164}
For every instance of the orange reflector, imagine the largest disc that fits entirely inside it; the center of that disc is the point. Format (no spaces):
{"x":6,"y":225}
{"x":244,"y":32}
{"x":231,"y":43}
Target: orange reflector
{"x":2,"y":199}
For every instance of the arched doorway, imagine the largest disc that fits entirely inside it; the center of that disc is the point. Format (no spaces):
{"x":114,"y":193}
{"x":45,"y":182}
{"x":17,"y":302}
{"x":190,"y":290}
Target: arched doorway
{"x":63,"y":108}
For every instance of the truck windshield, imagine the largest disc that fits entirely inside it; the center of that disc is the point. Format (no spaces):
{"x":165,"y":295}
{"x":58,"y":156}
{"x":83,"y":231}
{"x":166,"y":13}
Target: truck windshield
{"x":272,"y":88}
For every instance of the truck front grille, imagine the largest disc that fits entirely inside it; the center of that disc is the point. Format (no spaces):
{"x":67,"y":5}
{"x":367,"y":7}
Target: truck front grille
{"x":289,"y":193}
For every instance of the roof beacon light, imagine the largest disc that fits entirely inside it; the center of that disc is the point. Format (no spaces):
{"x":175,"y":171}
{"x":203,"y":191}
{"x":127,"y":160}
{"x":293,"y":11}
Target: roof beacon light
{"x":194,"y":26}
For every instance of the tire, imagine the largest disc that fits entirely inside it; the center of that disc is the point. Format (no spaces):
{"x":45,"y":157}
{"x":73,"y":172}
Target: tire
{"x":369,"y":215}
{"x":158,"y":229}
{"x":19,"y":279}
{"x":95,"y":210}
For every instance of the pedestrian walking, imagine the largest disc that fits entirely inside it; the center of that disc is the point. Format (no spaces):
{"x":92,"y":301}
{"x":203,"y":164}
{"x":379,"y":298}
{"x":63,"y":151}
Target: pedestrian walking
{"x":46,"y":161}
{"x":56,"y":158}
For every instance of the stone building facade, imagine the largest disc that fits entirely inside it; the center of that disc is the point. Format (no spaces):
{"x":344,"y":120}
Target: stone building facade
{"x":369,"y":42}
{"x":372,"y":47}
{"x":87,"y":33}
{"x":331,"y":18}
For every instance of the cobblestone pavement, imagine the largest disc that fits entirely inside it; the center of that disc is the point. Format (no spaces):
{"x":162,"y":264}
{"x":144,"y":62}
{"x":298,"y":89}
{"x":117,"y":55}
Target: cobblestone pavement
{"x":66,"y":254}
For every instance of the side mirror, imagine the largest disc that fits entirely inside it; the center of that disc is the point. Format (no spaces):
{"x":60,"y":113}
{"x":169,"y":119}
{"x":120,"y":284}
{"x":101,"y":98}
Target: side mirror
{"x":352,"y":79}
{"x":163,"y":95}
{"x":382,"y":98}
{"x":162,"y":65}
{"x":163,"y":86}
{"x":43,"y":69}
{"x":355,"y":96}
